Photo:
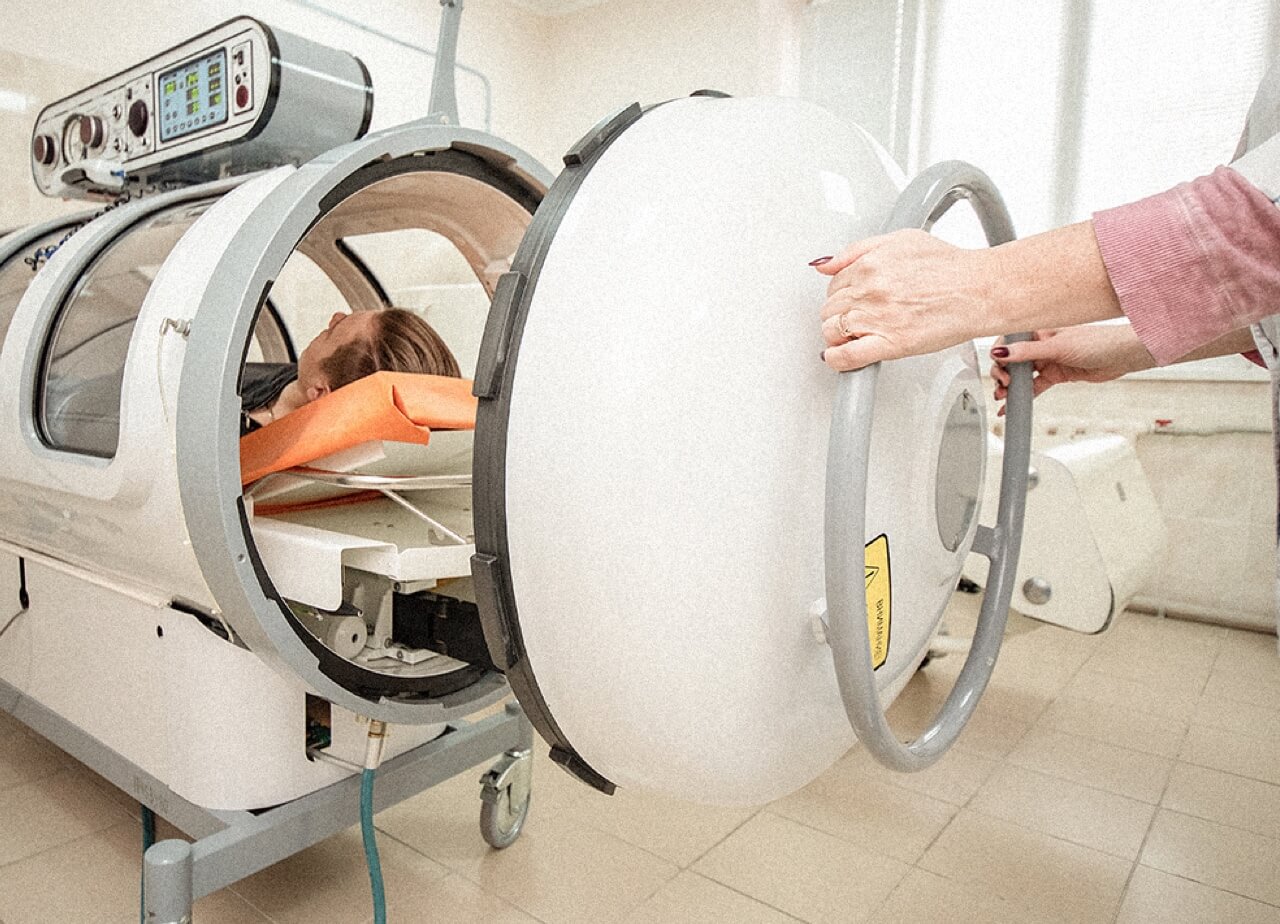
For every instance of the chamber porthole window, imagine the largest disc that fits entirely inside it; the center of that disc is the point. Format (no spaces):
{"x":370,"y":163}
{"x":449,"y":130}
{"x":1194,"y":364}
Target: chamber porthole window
{"x":78,"y":390}
{"x":16,"y":274}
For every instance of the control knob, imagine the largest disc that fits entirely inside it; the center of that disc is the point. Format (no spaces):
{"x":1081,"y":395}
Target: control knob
{"x":138,"y":118}
{"x":44,"y":149}
{"x":92,"y":131}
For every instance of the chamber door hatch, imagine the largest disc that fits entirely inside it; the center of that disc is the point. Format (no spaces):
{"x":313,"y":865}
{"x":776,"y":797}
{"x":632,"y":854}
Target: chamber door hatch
{"x":651,"y":450}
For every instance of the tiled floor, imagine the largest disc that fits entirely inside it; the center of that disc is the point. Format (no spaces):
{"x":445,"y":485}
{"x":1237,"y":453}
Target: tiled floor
{"x":1132,"y":777}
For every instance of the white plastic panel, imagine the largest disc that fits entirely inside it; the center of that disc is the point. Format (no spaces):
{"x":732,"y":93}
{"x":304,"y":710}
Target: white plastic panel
{"x":667,"y":449}
{"x":305,"y":554}
{"x":1094,"y":533}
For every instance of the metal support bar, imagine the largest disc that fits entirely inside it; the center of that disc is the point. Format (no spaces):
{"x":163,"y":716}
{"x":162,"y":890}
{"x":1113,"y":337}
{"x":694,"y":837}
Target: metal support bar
{"x":443,"y":106}
{"x":264,"y":839}
{"x":234,"y":844}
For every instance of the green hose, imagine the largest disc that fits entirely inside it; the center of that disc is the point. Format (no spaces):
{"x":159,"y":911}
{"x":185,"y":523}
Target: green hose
{"x":371,"y":847}
{"x":148,"y":838}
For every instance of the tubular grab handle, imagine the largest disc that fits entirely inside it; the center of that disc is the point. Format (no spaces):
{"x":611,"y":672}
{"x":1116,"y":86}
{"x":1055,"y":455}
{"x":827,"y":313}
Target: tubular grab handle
{"x":921,"y":204}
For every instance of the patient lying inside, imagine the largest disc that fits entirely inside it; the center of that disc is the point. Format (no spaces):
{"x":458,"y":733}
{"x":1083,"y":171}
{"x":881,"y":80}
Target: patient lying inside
{"x":351,"y":347}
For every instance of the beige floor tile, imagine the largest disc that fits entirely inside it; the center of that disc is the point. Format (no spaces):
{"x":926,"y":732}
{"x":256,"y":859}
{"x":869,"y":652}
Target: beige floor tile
{"x":1178,"y":640}
{"x":572,"y":874}
{"x":1255,"y":721}
{"x":1243,"y":681}
{"x":1169,"y":698}
{"x":1224,"y":798}
{"x":9,"y":724}
{"x":953,"y":779}
{"x":1243,"y":755}
{"x":52,"y":811}
{"x":1159,"y":898}
{"x":1115,"y":725}
{"x":924,"y":897}
{"x":990,"y":733}
{"x":25,"y":757}
{"x":1240,"y":643}
{"x":855,"y":803}
{"x":1035,"y":668}
{"x":95,"y":879}
{"x":558,"y":870}
{"x":451,"y":900}
{"x":1089,"y":817}
{"x":1017,"y":692}
{"x":1094,"y":763}
{"x":1028,"y":867}
{"x":693,"y":898}
{"x":1059,"y":644}
{"x":443,"y":822}
{"x":804,"y":872}
{"x":330,"y":882}
{"x":1215,"y":855}
{"x":676,"y":831}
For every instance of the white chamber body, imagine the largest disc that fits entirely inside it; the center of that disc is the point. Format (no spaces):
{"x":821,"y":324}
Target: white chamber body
{"x":98,"y":529}
{"x":650,"y":450}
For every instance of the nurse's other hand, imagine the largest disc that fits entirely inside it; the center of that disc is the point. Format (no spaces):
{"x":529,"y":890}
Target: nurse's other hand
{"x":1086,"y":353}
{"x":903,"y":294}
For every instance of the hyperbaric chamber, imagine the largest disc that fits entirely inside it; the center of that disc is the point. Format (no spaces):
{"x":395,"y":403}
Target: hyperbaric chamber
{"x":650,"y":449}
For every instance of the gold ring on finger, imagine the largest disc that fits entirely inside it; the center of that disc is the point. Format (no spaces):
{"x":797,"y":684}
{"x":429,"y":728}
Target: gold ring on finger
{"x":844,"y":331}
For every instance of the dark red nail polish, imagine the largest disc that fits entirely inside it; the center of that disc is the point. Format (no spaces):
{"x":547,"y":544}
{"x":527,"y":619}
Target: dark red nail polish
{"x":823,"y":356}
{"x":1000,"y":352}
{"x":821,"y":261}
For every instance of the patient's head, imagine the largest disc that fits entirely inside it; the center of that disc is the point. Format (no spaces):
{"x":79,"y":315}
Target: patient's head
{"x":364,"y":342}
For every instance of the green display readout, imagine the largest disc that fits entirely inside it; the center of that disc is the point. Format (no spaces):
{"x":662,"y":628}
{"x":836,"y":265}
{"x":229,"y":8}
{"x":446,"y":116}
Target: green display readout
{"x":193,"y":96}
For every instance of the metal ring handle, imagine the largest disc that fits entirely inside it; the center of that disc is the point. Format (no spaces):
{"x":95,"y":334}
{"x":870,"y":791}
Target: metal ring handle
{"x":922,"y":203}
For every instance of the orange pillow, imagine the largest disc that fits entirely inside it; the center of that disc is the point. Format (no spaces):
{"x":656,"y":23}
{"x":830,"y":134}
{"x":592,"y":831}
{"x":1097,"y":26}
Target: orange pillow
{"x":398,"y":406}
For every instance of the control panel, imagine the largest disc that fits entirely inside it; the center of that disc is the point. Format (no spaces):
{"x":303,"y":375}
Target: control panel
{"x":239,"y":97}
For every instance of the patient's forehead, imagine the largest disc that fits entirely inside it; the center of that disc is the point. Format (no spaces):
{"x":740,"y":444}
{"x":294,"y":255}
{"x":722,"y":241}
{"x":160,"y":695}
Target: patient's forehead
{"x":356,"y":324}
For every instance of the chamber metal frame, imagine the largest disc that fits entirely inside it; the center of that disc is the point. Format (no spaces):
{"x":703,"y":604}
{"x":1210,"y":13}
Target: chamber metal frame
{"x":240,"y":282}
{"x":233,"y":845}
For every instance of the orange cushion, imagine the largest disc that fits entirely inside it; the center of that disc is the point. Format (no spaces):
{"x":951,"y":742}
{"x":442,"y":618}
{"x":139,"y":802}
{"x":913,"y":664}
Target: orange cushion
{"x":398,"y":406}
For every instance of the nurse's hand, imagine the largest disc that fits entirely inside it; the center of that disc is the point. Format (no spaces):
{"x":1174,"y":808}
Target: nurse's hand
{"x":903,"y":294}
{"x":907,"y":293}
{"x":1086,"y":353}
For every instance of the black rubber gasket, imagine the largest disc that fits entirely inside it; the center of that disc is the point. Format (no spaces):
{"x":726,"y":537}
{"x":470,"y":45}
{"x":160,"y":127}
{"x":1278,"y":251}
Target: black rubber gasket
{"x":493,"y":386}
{"x":373,"y":685}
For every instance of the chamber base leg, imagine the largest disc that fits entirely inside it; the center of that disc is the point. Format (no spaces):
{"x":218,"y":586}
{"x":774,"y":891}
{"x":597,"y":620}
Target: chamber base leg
{"x":167,"y":883}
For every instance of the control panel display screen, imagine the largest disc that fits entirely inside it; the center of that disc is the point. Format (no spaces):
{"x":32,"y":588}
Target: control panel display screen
{"x":193,"y":96}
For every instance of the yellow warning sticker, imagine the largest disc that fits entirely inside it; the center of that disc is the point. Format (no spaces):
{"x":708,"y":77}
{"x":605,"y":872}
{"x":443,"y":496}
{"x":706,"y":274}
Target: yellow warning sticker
{"x":879,"y":599}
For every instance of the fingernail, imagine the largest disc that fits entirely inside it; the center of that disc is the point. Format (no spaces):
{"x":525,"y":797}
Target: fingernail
{"x":821,"y":261}
{"x":1000,"y":352}
{"x":823,"y":356}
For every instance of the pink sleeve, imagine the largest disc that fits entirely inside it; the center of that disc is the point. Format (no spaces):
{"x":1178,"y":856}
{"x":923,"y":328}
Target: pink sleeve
{"x":1193,"y":263}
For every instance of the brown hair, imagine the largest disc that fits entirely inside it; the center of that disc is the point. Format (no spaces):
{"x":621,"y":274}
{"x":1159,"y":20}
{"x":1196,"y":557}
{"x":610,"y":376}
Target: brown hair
{"x":401,"y":342}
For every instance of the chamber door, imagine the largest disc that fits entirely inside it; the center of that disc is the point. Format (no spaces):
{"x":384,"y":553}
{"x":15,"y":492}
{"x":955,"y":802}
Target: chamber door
{"x":651,"y":447}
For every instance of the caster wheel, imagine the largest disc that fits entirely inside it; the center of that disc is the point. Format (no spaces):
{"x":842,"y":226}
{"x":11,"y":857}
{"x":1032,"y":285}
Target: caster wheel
{"x":500,"y":824}
{"x":505,"y":799}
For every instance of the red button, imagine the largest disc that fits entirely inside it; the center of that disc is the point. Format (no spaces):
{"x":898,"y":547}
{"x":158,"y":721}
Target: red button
{"x":242,"y":96}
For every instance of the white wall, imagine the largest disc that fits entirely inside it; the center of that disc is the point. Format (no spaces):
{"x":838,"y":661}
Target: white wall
{"x":608,"y":56}
{"x":45,"y":58}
